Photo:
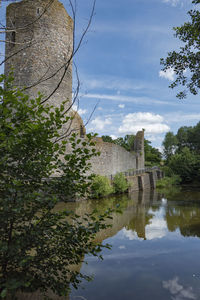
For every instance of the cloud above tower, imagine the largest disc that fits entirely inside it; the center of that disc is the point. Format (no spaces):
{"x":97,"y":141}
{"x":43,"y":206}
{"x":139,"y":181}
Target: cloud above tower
{"x":152,"y":123}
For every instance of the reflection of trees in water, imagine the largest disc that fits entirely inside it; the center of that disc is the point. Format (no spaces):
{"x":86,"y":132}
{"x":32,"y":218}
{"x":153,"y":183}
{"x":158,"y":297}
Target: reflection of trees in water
{"x":184,"y":213}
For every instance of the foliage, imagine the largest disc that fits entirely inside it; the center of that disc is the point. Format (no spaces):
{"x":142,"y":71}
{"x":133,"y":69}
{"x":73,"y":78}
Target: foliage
{"x":186,"y":164}
{"x":120,"y":183}
{"x":152,"y":155}
{"x":168,"y":181}
{"x":167,"y":171}
{"x":107,"y":139}
{"x":101,"y":187}
{"x":38,"y":244}
{"x":184,"y":159}
{"x":126,"y":142}
{"x":169,"y":145}
{"x":186,"y":61}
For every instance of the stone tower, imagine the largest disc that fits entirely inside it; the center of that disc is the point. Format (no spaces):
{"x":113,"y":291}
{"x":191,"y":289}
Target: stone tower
{"x":42,"y":40}
{"x":139,"y":149}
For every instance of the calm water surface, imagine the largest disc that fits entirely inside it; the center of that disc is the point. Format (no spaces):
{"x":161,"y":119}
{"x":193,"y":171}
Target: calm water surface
{"x":155,"y":248}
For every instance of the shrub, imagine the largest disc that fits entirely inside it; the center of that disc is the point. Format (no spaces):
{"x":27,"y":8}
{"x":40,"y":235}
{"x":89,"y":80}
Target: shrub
{"x":168,"y":181}
{"x":101,"y":186}
{"x":120,"y":183}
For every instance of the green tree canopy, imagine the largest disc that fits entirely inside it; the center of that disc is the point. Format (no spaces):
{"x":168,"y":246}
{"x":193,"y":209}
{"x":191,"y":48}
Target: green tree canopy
{"x":186,"y":61}
{"x":38,"y":244}
{"x":169,"y":144}
{"x":186,"y":164}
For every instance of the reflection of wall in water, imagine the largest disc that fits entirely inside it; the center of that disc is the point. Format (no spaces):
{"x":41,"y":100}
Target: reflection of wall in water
{"x":134,"y":212}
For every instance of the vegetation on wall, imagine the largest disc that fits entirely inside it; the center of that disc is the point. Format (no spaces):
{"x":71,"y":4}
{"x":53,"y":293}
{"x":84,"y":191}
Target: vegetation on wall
{"x":37,"y":243}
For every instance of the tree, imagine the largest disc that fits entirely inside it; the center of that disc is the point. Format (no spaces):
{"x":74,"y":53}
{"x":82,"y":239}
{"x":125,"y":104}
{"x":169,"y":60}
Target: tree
{"x":152,"y":155}
{"x":37,"y":243}
{"x":107,"y":139}
{"x":169,"y":144}
{"x":183,"y":137}
{"x":185,"y":164}
{"x":186,"y":61}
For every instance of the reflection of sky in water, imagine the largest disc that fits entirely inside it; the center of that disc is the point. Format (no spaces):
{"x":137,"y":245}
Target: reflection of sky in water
{"x":156,"y":229}
{"x":162,"y":267}
{"x":177,"y":291}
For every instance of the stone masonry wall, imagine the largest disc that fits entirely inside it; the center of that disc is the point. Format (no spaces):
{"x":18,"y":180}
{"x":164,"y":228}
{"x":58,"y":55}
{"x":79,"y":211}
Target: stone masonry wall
{"x":42,"y":43}
{"x":113,"y":159}
{"x":41,"y":38}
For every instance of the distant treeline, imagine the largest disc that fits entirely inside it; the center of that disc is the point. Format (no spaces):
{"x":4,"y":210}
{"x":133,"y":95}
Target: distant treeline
{"x":182,"y":153}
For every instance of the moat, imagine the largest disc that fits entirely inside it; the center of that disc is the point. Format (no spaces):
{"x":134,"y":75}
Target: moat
{"x":155,"y":248}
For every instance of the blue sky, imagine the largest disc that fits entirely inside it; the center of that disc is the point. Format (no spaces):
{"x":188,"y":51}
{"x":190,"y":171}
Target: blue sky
{"x":119,"y":68}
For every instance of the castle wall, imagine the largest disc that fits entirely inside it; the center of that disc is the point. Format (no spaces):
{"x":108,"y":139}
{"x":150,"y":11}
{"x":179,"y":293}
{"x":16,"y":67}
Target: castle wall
{"x":113,"y":159}
{"x":40,"y":41}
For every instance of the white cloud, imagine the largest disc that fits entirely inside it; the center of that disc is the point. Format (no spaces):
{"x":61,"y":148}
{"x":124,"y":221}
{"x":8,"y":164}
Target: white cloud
{"x":157,"y":229}
{"x":176,"y":2}
{"x":131,"y":235}
{"x":181,"y":117}
{"x":152,"y":123}
{"x":122,"y":247}
{"x":121,"y":105}
{"x":135,"y":100}
{"x":172,"y":2}
{"x":168,"y":74}
{"x":178,"y":291}
{"x":80,"y":110}
{"x":114,"y":137}
{"x":99,"y":124}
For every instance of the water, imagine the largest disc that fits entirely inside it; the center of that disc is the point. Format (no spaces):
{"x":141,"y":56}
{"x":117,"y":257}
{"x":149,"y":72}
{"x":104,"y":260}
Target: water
{"x":155,"y":248}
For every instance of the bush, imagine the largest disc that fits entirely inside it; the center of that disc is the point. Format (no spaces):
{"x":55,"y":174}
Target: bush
{"x":120,"y":183}
{"x":168,"y":181}
{"x":101,"y":187}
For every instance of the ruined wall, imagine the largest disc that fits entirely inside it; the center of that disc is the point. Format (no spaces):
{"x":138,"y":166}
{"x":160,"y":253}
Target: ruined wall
{"x":40,"y":41}
{"x":113,"y":159}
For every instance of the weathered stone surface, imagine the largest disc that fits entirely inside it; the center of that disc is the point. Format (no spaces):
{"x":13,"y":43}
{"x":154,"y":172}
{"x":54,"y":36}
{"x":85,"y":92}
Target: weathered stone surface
{"x":41,"y":38}
{"x":46,"y":42}
{"x":113,"y":159}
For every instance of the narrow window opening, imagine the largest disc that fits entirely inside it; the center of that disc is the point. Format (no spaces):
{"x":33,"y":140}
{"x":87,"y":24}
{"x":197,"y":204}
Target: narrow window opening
{"x":38,"y":11}
{"x":13,"y":38}
{"x":82,"y":131}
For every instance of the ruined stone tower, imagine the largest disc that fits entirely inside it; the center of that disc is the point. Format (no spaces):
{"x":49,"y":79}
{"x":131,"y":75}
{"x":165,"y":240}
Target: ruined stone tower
{"x":42,"y":41}
{"x":139,"y":149}
{"x":39,"y":43}
{"x":39,"y":48}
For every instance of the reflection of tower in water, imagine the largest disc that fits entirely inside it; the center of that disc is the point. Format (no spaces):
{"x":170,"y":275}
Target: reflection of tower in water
{"x":134,"y":217}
